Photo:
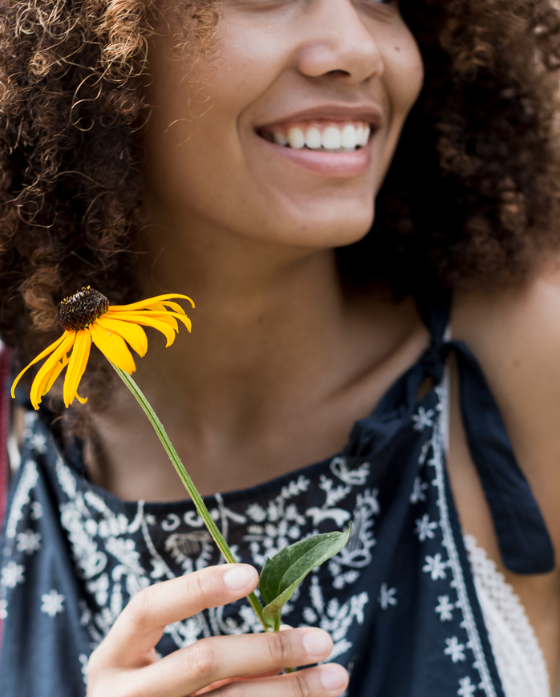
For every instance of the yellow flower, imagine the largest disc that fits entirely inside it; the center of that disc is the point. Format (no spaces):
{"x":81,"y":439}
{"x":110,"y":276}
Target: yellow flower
{"x":87,"y":316}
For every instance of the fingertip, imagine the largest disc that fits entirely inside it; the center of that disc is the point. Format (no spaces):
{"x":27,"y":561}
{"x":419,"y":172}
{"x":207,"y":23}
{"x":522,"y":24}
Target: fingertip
{"x":334,"y":678}
{"x":317,"y":643}
{"x":239,"y":577}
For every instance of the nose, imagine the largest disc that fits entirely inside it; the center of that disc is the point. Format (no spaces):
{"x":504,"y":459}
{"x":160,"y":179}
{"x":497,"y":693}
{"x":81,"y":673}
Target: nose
{"x":338,"y":43}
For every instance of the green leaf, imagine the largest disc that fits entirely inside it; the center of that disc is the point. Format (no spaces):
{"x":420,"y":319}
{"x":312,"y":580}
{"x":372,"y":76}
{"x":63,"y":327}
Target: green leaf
{"x":283,"y":572}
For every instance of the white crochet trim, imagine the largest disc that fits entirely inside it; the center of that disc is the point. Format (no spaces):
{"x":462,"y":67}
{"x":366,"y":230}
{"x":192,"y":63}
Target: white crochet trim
{"x":519,"y":657}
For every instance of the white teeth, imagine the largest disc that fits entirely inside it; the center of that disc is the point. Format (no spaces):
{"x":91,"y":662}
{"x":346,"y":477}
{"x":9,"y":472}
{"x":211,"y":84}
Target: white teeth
{"x":349,"y":137}
{"x":313,"y":138}
{"x":280,"y":138}
{"x":332,"y":138}
{"x":296,"y":139}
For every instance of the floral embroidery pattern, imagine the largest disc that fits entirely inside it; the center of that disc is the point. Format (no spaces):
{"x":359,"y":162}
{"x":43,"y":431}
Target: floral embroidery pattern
{"x":441,"y":560}
{"x":119,"y":548}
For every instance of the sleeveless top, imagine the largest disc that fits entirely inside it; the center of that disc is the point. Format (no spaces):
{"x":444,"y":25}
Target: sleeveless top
{"x":399,"y":601}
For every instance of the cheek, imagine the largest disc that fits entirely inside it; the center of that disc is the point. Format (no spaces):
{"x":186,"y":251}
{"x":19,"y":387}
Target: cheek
{"x":404,"y":73}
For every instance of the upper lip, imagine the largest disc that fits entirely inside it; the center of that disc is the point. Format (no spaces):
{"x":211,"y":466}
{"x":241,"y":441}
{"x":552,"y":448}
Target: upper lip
{"x":369,"y":113}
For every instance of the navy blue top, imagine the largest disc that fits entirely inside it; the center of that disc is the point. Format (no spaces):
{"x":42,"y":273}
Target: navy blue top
{"x":399,"y":600}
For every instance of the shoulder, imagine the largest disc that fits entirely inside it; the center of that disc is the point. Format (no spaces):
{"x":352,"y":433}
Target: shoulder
{"x":515,"y":335}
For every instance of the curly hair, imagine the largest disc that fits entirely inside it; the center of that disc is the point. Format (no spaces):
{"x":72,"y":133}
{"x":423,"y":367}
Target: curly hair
{"x":470,"y":196}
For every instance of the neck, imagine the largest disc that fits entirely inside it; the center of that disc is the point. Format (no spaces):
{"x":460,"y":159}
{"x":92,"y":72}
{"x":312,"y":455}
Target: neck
{"x":265,"y":320}
{"x":279,"y":365}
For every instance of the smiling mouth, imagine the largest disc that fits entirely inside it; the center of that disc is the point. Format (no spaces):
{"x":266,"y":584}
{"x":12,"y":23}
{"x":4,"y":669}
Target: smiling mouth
{"x":319,"y":135}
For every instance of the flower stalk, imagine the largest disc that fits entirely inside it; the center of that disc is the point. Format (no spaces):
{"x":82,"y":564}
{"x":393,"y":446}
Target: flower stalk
{"x":188,"y":483}
{"x":87,"y":318}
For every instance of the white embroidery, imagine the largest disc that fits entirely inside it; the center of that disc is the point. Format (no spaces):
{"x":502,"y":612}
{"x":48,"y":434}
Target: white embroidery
{"x":418,"y":490}
{"x":109,"y":558}
{"x":114,"y":566}
{"x":84,"y":661}
{"x":425,"y":528}
{"x":52,"y":603}
{"x":455,"y":650}
{"x":387,"y":596}
{"x":28,"y":541}
{"x":423,"y":419}
{"x":21,"y":497}
{"x":444,"y":609}
{"x":435,"y":566}
{"x":357,"y":476}
{"x":36,"y":511}
{"x":12,"y":574}
{"x":474,"y":641}
{"x":466,"y":688}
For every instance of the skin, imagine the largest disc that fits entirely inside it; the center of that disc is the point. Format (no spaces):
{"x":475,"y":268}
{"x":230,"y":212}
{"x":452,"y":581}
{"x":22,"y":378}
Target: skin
{"x":278,"y":346}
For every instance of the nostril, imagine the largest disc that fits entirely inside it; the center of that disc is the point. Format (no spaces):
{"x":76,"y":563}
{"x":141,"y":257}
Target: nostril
{"x":338,"y":73}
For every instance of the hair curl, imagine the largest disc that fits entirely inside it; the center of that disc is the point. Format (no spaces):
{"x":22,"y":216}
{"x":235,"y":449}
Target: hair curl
{"x":470,"y":196}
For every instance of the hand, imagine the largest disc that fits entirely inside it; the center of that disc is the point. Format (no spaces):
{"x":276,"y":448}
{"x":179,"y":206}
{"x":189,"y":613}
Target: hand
{"x":125,"y":663}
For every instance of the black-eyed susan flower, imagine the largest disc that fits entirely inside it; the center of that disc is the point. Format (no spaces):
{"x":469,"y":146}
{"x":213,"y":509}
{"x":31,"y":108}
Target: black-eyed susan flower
{"x":87,"y":316}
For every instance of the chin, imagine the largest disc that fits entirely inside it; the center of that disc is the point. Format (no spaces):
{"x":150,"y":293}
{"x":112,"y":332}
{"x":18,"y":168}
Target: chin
{"x":334,"y":231}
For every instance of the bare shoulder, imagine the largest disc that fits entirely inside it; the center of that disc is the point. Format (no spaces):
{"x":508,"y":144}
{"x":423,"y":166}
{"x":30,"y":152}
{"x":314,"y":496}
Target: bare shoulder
{"x":515,"y":334}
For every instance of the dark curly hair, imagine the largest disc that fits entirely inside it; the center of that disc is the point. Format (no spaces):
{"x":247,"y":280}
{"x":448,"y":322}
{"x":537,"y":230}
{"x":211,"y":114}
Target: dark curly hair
{"x":470,"y":196}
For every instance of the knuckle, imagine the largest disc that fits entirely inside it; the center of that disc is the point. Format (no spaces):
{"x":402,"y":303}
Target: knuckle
{"x":300,"y":686}
{"x":280,"y":648}
{"x":202,"y":661}
{"x":200,"y":586}
{"x":140,"y":607}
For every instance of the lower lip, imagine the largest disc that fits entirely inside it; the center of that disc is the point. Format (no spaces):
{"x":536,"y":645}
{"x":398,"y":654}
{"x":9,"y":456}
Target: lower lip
{"x":330,"y":164}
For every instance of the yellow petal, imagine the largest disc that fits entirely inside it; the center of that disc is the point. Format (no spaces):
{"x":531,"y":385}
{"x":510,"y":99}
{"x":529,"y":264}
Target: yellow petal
{"x":162,"y":324}
{"x":131,"y":333}
{"x":113,"y":347}
{"x":137,"y":315}
{"x":143,"y":304}
{"x":46,"y":370}
{"x":168,"y":317}
{"x":59,"y":367}
{"x":82,"y":400}
{"x":44,"y":353}
{"x":175,"y":315}
{"x":174,"y":306}
{"x":76,"y":365}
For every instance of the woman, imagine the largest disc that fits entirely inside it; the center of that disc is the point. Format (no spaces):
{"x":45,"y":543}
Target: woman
{"x":225,"y":151}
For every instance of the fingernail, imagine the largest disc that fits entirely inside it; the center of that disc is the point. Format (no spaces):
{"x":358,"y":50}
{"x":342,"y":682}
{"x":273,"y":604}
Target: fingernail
{"x":317,"y":643}
{"x":240,"y":576}
{"x":333,"y":677}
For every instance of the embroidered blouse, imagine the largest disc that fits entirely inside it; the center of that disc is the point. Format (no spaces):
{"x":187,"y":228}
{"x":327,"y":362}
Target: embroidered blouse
{"x":399,"y":601}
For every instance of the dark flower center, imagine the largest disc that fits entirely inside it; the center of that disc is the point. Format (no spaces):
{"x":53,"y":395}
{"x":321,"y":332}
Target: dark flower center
{"x":81,"y":309}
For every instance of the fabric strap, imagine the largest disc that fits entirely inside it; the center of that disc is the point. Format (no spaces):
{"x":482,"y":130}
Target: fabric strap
{"x":523,"y":538}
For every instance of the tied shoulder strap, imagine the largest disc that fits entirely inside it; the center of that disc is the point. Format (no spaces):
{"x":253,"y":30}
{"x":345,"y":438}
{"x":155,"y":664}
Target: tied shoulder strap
{"x":523,"y":538}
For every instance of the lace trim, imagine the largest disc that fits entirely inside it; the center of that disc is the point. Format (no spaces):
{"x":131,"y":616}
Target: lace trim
{"x":519,"y":657}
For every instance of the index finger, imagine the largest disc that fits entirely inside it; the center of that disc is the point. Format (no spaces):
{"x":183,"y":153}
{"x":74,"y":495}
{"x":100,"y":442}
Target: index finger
{"x":141,"y":624}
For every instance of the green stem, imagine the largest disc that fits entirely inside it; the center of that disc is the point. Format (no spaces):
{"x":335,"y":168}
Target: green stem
{"x":188,"y":482}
